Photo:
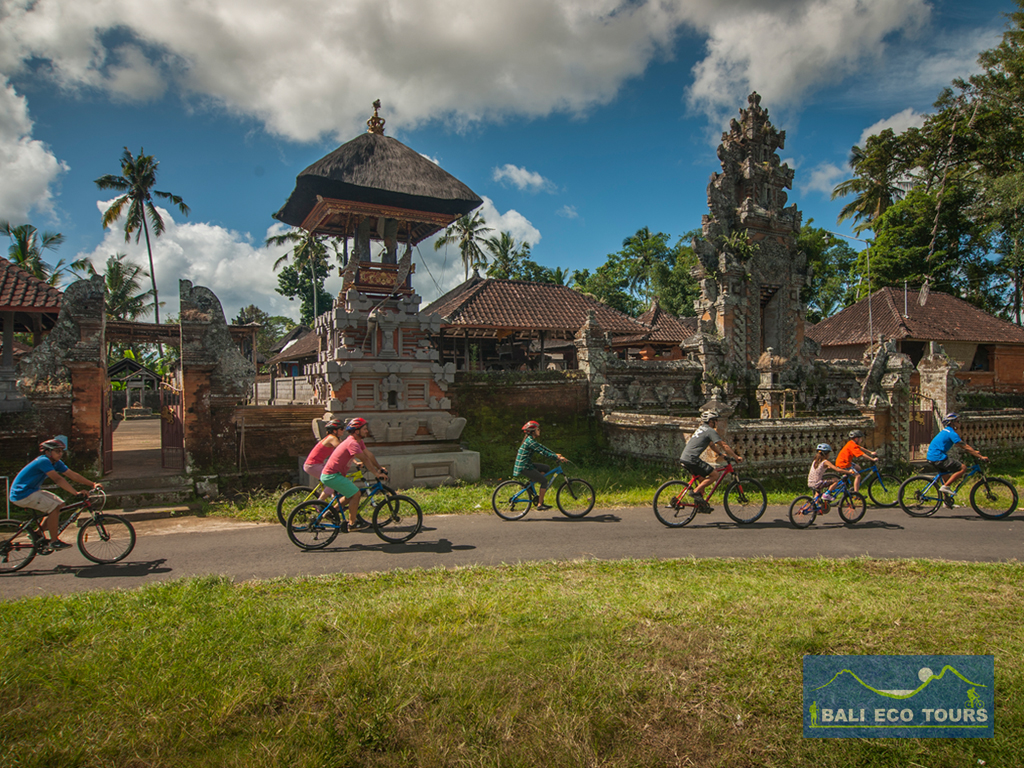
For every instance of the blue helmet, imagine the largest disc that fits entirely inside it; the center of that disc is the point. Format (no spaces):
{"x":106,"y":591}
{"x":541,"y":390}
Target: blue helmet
{"x":949,"y":418}
{"x":824,"y":448}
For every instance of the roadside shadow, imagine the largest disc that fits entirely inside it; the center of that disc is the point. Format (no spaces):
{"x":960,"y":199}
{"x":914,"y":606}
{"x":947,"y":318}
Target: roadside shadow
{"x":414,"y":547}
{"x":604,"y":518}
{"x":124,"y":569}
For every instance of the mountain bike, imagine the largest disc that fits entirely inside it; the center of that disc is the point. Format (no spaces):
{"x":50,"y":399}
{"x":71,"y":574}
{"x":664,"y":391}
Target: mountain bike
{"x":300,"y":494}
{"x":745,"y":499}
{"x":991,"y":497}
{"x":512,"y":499}
{"x":102,"y":538}
{"x":316,"y":523}
{"x":849,"y":503}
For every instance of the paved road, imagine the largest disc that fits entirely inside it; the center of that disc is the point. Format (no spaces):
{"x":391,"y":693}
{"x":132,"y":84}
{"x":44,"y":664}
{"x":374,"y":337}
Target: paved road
{"x":169,"y":549}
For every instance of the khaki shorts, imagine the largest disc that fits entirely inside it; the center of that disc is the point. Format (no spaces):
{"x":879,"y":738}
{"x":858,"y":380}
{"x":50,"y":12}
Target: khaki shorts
{"x":41,"y":501}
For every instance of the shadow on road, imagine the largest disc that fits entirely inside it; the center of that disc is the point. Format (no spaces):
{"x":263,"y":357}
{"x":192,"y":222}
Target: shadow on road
{"x":414,"y":547}
{"x":120,"y":570}
{"x":606,"y":518}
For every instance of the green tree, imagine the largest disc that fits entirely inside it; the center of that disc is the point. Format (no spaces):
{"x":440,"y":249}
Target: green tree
{"x":307,"y":285}
{"x":831,"y":263}
{"x":122,"y":282}
{"x":507,"y":256}
{"x":138,"y":176}
{"x":467,"y":233}
{"x":879,"y":180}
{"x":673,"y":283}
{"x":272,"y":327}
{"x":307,"y":249}
{"x":609,"y":284}
{"x":26,"y":250}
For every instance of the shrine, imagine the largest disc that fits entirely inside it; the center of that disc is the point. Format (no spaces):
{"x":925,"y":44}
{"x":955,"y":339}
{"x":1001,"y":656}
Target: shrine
{"x":376,"y":359}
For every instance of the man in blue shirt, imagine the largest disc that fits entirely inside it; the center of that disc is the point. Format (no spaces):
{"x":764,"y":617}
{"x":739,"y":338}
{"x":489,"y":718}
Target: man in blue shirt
{"x":26,"y":489}
{"x":938,"y":450}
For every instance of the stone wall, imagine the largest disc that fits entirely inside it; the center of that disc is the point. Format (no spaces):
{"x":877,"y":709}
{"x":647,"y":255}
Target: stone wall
{"x":275,"y":435}
{"x":994,"y":433}
{"x":543,"y":397}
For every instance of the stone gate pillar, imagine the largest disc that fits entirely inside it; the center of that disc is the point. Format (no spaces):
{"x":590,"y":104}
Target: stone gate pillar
{"x":938,"y":379}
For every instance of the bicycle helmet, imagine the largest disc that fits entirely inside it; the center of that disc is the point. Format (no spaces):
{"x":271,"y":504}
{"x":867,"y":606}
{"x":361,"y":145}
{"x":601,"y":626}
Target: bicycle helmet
{"x":334,"y":425}
{"x":824,"y":448}
{"x":708,"y":416}
{"x":531,"y":426}
{"x":355,"y":424}
{"x":857,"y":433}
{"x":950,"y":418}
{"x":59,"y":443}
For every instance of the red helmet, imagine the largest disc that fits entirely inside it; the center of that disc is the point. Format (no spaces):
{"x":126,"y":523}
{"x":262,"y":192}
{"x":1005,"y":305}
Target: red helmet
{"x":56,"y":444}
{"x":355,"y":424}
{"x":530,"y":426}
{"x":334,"y":425}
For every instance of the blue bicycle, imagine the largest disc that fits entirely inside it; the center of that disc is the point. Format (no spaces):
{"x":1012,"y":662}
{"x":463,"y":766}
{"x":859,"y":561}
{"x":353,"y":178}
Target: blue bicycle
{"x":315,"y":524}
{"x":512,"y":499}
{"x":850,"y":504}
{"x":992,"y":497}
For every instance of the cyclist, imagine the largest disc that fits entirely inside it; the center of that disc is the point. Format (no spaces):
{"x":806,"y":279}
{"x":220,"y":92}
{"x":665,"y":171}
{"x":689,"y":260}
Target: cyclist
{"x":526,"y":467}
{"x":816,"y":474}
{"x":854,"y":449}
{"x":704,"y":437}
{"x":26,"y":489}
{"x":938,"y":450}
{"x":333,"y":476}
{"x":314,"y":464}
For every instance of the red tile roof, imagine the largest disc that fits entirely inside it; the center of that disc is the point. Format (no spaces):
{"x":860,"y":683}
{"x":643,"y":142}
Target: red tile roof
{"x":666,"y":328}
{"x":484,"y":303}
{"x":942,"y":318}
{"x":21,"y":292}
{"x":298,"y":349}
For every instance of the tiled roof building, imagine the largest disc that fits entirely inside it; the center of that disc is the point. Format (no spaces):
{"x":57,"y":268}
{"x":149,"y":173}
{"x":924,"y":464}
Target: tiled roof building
{"x":22,"y":292}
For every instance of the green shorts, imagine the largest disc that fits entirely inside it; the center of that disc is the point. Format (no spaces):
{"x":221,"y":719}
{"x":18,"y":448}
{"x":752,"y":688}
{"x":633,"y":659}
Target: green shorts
{"x":343,"y":485}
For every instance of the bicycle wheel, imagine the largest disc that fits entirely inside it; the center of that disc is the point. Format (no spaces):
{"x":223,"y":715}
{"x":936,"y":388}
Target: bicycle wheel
{"x":291,"y":499}
{"x":918,"y":497}
{"x":17,"y":547}
{"x":670,"y":506}
{"x":106,"y":539}
{"x":575,"y":498}
{"x":398,"y":519}
{"x":993,"y":498}
{"x":851,"y":507}
{"x":745,"y":500}
{"x":884,"y":490}
{"x":802,"y":511}
{"x":511,"y":500}
{"x":311,"y":527}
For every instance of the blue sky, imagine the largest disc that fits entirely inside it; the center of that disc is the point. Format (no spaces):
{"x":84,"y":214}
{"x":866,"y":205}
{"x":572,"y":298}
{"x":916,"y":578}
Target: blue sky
{"x":578,"y":122}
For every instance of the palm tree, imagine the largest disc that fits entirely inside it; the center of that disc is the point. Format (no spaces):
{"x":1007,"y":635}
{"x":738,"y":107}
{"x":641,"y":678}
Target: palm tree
{"x":138,"y":175}
{"x":466,"y":232}
{"x":878,"y":181}
{"x":122,"y":281}
{"x":26,"y":250}
{"x":307,"y":250}
{"x":506,"y":256}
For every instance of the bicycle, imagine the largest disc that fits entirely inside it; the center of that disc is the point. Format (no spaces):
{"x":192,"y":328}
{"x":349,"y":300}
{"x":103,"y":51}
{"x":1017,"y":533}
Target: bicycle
{"x":512,"y":499}
{"x":991,"y":497}
{"x":300,"y":494}
{"x":316,"y":523}
{"x":745,"y":500}
{"x":850,"y":504}
{"x":103,"y":539}
{"x":883,"y":488}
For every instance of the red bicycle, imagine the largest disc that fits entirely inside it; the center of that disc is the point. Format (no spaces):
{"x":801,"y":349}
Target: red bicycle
{"x":745,"y":500}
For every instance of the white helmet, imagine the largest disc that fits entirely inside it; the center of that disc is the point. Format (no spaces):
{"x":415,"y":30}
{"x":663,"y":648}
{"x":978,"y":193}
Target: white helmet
{"x":708,"y":416}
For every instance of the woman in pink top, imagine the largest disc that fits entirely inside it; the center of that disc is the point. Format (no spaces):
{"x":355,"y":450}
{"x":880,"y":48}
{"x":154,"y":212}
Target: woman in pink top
{"x":314,"y":464}
{"x":352,"y":447}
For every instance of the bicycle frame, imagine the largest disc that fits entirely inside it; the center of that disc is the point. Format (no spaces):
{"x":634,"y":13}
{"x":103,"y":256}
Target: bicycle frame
{"x":531,"y":488}
{"x":937,"y":479}
{"x":33,"y":524}
{"x":695,"y":480}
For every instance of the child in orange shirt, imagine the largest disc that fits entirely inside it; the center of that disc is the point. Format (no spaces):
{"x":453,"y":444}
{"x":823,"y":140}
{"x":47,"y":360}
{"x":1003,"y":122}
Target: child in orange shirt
{"x":854,"y":450}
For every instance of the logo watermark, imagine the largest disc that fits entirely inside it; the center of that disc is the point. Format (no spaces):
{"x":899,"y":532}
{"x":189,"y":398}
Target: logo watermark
{"x":920,"y":697}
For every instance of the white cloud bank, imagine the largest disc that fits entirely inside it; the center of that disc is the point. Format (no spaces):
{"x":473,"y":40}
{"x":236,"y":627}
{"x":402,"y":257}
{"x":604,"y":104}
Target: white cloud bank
{"x":27,"y":167}
{"x":901,"y":121}
{"x":522,"y":179}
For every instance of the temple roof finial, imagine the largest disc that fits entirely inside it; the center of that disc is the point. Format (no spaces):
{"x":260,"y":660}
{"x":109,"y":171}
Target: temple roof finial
{"x":376,"y":123}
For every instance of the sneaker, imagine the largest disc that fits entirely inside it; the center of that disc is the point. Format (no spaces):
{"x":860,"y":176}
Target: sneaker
{"x":946,"y":491}
{"x":543,"y":507}
{"x":57,"y":544}
{"x":703,"y":506}
{"x":344,"y":526}
{"x":359,"y":524}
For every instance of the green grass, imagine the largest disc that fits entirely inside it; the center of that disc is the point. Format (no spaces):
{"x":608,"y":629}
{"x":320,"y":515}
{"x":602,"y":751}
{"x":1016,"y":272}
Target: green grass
{"x":634,"y":663}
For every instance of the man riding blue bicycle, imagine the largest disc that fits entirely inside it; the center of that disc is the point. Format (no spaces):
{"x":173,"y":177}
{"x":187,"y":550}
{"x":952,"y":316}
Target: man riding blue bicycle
{"x":938,"y":449}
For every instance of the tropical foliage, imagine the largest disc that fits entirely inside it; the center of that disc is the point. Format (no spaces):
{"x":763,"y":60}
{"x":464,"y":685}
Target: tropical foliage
{"x":26,"y":250}
{"x":467,"y":234}
{"x":136,"y":182}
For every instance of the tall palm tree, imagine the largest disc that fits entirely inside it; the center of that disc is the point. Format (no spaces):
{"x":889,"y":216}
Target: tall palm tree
{"x":467,"y":232}
{"x":27,"y":246}
{"x":307,"y":250}
{"x":138,"y":175}
{"x":506,"y":256}
{"x":878,"y":181}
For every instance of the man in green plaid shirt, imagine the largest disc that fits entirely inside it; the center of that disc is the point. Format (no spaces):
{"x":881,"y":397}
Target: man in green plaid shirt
{"x":525,"y":465}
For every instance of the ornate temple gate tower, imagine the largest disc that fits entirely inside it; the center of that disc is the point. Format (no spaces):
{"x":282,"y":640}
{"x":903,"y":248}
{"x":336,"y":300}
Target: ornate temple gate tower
{"x":376,"y":359}
{"x":751,"y":318}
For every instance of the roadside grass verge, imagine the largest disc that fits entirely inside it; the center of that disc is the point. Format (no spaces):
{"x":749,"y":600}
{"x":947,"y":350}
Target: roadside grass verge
{"x":634,"y":663}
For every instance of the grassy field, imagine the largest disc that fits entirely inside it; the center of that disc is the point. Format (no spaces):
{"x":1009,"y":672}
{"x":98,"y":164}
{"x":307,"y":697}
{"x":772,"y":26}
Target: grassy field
{"x":636,"y":663}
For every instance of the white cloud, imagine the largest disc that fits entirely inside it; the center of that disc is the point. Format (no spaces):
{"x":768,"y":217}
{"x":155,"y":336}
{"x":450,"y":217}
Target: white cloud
{"x":823,"y":178}
{"x":312,"y":68}
{"x":522,"y":178}
{"x":568,"y":212}
{"x":786,"y":49}
{"x":238,"y":271}
{"x":901,"y":121}
{"x":27,"y":167}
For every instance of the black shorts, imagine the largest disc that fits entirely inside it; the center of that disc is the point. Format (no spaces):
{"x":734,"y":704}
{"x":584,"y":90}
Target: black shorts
{"x":946,"y":466}
{"x":539,"y":474}
{"x":698,"y":468}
